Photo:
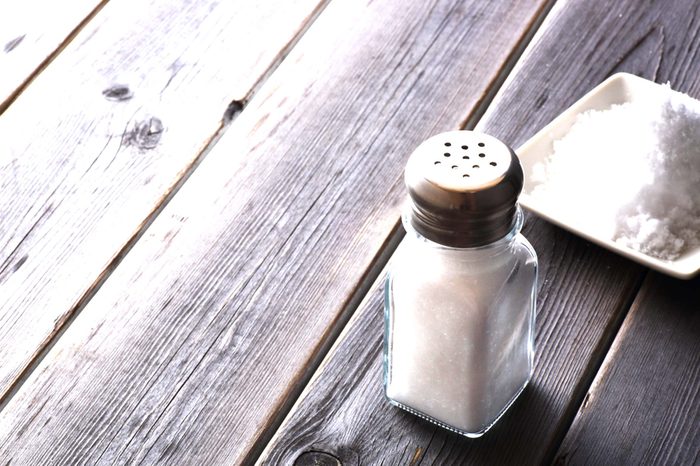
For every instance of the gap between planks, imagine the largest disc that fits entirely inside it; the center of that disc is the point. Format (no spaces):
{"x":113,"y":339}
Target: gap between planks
{"x":234,"y":108}
{"x":47,"y":61}
{"x":387,"y":250}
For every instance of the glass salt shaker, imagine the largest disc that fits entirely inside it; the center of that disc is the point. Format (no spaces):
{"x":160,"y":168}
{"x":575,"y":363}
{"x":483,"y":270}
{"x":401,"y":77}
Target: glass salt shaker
{"x":460,"y":295}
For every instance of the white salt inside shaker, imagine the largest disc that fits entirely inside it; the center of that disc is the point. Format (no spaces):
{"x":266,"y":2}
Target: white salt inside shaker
{"x":460,"y":296}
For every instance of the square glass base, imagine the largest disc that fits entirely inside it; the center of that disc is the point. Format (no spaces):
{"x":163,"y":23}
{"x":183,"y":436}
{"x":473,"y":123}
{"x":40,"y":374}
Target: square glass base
{"x":457,"y":430}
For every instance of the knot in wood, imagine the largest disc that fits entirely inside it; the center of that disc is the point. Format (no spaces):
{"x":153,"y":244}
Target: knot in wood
{"x":317,"y":458}
{"x":233,"y":109}
{"x":118,"y":92}
{"x":145,"y":134}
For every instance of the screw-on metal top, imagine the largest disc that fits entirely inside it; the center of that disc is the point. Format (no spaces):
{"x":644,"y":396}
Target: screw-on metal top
{"x":464,"y":187}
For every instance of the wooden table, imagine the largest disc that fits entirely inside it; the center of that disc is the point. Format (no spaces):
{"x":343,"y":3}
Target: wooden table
{"x":198,"y":201}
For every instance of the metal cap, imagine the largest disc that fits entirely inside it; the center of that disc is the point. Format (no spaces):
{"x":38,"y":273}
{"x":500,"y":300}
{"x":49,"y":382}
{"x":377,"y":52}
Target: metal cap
{"x":464,"y":187}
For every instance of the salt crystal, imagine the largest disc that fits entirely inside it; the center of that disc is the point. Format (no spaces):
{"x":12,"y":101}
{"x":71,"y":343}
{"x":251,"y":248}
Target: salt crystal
{"x":630,"y":173}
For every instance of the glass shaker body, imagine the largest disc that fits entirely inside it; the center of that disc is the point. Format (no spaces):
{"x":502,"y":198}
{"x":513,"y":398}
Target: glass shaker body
{"x":459,"y":337}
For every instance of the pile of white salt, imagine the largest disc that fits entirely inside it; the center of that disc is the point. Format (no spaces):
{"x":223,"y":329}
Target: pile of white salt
{"x":630,"y":173}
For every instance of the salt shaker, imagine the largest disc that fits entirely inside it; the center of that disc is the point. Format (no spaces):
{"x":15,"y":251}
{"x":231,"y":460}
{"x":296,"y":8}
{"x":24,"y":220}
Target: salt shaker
{"x":460,"y":294}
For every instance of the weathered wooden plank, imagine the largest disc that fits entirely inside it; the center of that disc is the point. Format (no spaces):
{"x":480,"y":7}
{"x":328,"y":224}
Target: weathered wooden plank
{"x":644,"y":404}
{"x":584,"y":291}
{"x":100,"y":138}
{"x":31,"y":32}
{"x":207,"y":330}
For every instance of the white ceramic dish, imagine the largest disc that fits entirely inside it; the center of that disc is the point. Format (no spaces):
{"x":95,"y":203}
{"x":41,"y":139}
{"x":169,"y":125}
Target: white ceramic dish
{"x":617,"y":89}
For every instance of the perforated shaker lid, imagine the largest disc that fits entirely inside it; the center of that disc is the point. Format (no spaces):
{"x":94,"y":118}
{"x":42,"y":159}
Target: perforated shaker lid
{"x":464,"y":187}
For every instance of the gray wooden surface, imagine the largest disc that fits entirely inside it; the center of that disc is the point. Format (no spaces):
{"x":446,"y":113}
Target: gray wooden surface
{"x":198,"y":201}
{"x":644,"y":404}
{"x":584,"y":294}
{"x":202,"y":337}
{"x":92,"y":148}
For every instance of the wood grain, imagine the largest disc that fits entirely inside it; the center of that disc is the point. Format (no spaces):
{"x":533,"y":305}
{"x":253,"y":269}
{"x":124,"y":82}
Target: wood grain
{"x":31,"y":32}
{"x":94,"y":145}
{"x":644,"y":405}
{"x":209,"y":327}
{"x":584,"y":291}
